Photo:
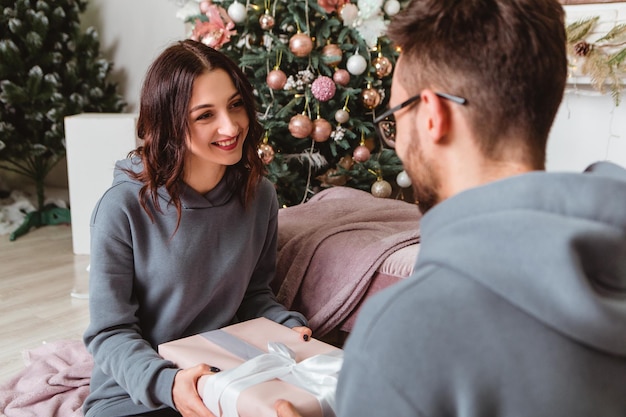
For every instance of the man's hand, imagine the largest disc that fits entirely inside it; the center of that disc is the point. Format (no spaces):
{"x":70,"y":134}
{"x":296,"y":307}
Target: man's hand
{"x":285,"y":409}
{"x":305,"y":332}
{"x":185,"y":391}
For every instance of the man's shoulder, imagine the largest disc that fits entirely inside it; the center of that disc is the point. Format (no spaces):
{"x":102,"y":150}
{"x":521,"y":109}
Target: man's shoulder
{"x":434,"y":293}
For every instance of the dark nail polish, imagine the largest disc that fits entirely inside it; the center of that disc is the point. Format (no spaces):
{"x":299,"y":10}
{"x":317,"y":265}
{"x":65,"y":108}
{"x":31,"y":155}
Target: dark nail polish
{"x":214,"y":369}
{"x":306,"y":337}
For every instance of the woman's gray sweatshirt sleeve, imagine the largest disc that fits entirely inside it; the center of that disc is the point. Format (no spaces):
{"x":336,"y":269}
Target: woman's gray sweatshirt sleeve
{"x":114,"y":337}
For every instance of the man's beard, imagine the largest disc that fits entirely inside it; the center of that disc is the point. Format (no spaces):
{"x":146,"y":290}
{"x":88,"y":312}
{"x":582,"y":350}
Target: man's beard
{"x":423,"y":176}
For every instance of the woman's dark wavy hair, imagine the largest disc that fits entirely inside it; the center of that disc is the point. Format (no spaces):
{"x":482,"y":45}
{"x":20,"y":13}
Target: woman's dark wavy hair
{"x":163,"y":124}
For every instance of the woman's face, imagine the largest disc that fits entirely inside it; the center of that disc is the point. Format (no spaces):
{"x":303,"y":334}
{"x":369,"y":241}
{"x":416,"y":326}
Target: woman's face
{"x":218,"y":122}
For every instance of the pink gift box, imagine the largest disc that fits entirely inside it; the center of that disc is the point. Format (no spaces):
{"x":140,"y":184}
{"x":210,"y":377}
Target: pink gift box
{"x":258,"y":400}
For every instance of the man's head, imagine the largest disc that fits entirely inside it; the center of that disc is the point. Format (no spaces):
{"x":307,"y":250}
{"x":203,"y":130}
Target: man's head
{"x":507,"y":58}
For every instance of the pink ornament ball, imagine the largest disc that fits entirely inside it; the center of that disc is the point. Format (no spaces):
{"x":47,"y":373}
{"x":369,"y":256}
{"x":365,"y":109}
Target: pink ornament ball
{"x":300,"y":126}
{"x":323,"y":88}
{"x":331,"y":54}
{"x":361,"y":153}
{"x":321,"y":130}
{"x":276,"y":79}
{"x":301,"y":45}
{"x":341,"y":77}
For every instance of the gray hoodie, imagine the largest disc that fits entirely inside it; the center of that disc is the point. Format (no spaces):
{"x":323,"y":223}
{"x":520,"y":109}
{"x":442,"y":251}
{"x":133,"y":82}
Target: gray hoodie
{"x":516,"y":307}
{"x":149,"y":285}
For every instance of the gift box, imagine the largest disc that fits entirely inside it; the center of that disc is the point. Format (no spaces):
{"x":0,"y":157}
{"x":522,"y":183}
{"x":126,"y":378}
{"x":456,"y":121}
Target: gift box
{"x":261,"y":362}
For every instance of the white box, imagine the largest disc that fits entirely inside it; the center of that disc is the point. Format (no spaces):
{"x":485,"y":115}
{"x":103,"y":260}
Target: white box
{"x":94,"y":142}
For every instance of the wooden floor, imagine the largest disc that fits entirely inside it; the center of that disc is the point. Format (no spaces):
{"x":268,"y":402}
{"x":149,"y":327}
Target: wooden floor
{"x":43,"y":289}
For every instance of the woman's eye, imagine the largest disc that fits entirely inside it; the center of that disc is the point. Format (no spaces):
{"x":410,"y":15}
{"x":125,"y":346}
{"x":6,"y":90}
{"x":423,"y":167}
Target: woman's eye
{"x":238,"y":103}
{"x":204,"y":116}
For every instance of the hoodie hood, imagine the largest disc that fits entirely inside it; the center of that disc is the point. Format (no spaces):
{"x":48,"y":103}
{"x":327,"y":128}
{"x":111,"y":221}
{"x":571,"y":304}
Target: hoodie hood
{"x":190,"y":198}
{"x":551,"y":244}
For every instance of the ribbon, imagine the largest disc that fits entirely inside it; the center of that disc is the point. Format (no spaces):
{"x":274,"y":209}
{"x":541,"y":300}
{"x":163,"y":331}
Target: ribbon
{"x":317,"y":375}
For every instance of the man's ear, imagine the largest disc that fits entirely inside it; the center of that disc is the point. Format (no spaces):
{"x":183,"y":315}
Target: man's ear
{"x":436,"y":115}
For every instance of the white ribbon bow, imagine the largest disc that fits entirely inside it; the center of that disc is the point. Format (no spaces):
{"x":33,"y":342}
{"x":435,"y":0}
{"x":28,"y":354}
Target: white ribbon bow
{"x":317,"y":375}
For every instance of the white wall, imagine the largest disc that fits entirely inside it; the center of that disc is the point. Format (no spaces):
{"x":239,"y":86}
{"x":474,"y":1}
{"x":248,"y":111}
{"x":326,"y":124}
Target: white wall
{"x":132,"y":33}
{"x":589,"y":126}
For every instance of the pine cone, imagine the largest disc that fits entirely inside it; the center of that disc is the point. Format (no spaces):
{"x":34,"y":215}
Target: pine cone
{"x":582,"y":48}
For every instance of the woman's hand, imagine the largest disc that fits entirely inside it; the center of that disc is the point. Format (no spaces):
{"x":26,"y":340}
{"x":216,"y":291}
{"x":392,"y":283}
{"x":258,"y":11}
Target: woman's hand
{"x":285,"y":409}
{"x":185,"y":392}
{"x":305,"y":332}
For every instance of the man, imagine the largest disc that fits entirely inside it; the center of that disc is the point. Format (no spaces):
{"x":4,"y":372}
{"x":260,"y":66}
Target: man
{"x":517,"y":304}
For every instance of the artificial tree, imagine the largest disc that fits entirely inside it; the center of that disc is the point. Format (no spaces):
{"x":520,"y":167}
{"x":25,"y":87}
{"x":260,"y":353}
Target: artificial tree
{"x":49,"y":68}
{"x":321,"y":69}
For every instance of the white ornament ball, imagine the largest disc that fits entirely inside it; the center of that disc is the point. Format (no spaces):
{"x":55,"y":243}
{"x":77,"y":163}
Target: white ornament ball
{"x":237,"y":12}
{"x":356,"y":64}
{"x":392,"y":7}
{"x":348,"y":13}
{"x":403,"y":180}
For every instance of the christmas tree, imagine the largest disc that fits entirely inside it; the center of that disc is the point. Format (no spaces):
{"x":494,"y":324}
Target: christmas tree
{"x":49,"y":69}
{"x":321,"y":70}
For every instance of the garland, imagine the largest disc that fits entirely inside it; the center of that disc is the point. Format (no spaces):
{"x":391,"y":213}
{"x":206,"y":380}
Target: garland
{"x":603,"y":60}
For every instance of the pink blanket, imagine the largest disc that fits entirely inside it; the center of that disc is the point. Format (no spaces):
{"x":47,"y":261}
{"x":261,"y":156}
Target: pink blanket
{"x":330,"y":247}
{"x":54,"y":382}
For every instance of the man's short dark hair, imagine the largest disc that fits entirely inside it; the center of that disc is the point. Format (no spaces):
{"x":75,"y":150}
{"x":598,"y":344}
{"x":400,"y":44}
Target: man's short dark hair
{"x":507,"y":57}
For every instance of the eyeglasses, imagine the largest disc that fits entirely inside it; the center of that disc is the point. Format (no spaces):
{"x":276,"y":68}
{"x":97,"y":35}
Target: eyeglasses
{"x":386,"y":122}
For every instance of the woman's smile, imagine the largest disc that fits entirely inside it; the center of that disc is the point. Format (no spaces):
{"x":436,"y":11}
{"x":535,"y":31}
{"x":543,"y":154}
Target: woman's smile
{"x":227,"y":144}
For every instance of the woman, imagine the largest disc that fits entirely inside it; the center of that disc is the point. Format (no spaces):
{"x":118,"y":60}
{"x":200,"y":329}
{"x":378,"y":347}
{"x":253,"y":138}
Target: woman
{"x":185,"y":239}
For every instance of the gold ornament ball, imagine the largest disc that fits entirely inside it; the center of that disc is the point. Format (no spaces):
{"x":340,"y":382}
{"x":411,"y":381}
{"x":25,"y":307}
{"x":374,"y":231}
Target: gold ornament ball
{"x":276,"y":79}
{"x":383,"y":66}
{"x":341,"y":77}
{"x":301,"y":45}
{"x":331,"y":54}
{"x":266,"y":153}
{"x":300,"y":126}
{"x":381,"y":189}
{"x":321,"y":130}
{"x":371,"y":98}
{"x":266,"y":21}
